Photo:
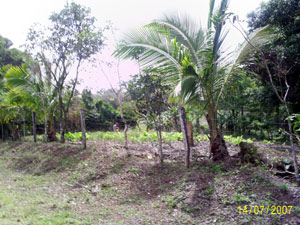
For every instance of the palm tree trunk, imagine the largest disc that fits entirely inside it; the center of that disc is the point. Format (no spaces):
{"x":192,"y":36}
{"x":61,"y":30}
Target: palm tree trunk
{"x":182,"y":117}
{"x":218,"y":149}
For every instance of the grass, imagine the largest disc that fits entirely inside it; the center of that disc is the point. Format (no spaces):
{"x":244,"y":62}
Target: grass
{"x":24,"y":200}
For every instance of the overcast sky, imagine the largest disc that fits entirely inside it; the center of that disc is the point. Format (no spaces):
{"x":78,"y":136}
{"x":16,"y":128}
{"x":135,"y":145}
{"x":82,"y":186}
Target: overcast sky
{"x":18,"y":15}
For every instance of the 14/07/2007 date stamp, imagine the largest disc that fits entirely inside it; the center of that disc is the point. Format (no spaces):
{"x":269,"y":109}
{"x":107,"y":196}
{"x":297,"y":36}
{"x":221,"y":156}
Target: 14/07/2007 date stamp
{"x":261,"y":209}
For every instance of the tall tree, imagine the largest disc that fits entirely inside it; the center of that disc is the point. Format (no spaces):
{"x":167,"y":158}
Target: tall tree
{"x":71,"y":39}
{"x":275,"y":56}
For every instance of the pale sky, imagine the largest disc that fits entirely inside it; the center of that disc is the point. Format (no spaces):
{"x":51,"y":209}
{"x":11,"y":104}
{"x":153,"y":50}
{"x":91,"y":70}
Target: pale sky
{"x":18,"y":15}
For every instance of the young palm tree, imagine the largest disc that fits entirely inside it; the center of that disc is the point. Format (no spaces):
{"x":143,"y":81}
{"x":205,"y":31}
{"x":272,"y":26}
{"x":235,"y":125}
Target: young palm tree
{"x":191,"y":56}
{"x":33,"y":88}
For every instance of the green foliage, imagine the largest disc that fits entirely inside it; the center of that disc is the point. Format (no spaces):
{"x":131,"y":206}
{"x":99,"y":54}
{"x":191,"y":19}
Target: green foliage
{"x":240,"y":198}
{"x":236,"y":140}
{"x":295,"y":119}
{"x":69,"y":40}
{"x":77,"y":136}
{"x":209,"y":191}
{"x":149,"y":94}
{"x":9,"y":56}
{"x":283,"y":53}
{"x":171,"y":202}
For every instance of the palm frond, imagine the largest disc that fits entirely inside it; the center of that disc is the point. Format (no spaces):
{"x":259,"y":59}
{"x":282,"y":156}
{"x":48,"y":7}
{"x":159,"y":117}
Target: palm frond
{"x":186,"y":32}
{"x":159,"y":49}
{"x":255,"y":40}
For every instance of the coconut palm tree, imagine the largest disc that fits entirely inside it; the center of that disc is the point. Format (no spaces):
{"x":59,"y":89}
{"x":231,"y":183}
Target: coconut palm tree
{"x":191,"y":56}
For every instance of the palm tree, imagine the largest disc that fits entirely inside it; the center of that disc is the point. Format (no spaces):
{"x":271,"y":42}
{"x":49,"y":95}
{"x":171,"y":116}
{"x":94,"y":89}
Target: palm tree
{"x":33,"y":88}
{"x":191,"y":56}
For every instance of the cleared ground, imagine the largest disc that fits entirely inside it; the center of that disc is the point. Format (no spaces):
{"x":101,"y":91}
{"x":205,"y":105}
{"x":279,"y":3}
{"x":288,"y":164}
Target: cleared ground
{"x":63,"y":184}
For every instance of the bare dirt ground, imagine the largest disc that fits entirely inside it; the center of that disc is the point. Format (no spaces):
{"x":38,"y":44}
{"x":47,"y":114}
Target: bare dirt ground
{"x":101,"y":185}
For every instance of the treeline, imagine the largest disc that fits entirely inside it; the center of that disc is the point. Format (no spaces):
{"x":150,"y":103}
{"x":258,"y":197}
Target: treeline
{"x":180,"y":81}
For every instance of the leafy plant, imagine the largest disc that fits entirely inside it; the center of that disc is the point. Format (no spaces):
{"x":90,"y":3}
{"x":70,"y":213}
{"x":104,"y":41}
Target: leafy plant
{"x":77,"y":136}
{"x":236,"y":140}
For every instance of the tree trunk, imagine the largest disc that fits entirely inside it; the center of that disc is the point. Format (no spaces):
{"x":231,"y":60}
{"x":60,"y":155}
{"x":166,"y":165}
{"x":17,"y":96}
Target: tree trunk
{"x":161,"y":156}
{"x":218,"y":149}
{"x":51,"y":131}
{"x":175,"y":123}
{"x":2,"y":131}
{"x":125,"y":124}
{"x":182,"y":117}
{"x":34,"y":125}
{"x":233,"y":120}
{"x":24,"y":129}
{"x":198,"y":127}
{"x":61,"y":117}
{"x":83,"y":129}
{"x":190,"y":133}
{"x":243,"y":127}
{"x":294,"y":156}
{"x":45,"y":127}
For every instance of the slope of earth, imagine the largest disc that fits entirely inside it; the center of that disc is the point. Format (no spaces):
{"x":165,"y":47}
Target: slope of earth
{"x":62,"y":184}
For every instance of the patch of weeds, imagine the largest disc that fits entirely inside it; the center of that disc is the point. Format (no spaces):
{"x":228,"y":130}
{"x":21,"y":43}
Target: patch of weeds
{"x":284,"y":187}
{"x":62,"y":217}
{"x":296,"y":209}
{"x":108,"y":190}
{"x":209,"y":191}
{"x":226,"y":201}
{"x":133,"y":170}
{"x":162,"y":188}
{"x":239,"y":198}
{"x":156,"y":205}
{"x":188,"y":208}
{"x":241,"y":187}
{"x":132,"y":200}
{"x":104,"y":213}
{"x":266,"y":202}
{"x":268,"y":194}
{"x":74,"y":177}
{"x":267,"y":142}
{"x":129,"y":212}
{"x":258,"y":179}
{"x":216,"y":168}
{"x":275,"y":219}
{"x":233,"y":172}
{"x":117,"y":168}
{"x":171,"y":202}
{"x":218,"y":180}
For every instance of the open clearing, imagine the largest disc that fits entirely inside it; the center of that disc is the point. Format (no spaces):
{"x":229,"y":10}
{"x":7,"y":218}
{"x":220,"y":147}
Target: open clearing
{"x":61,"y":184}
